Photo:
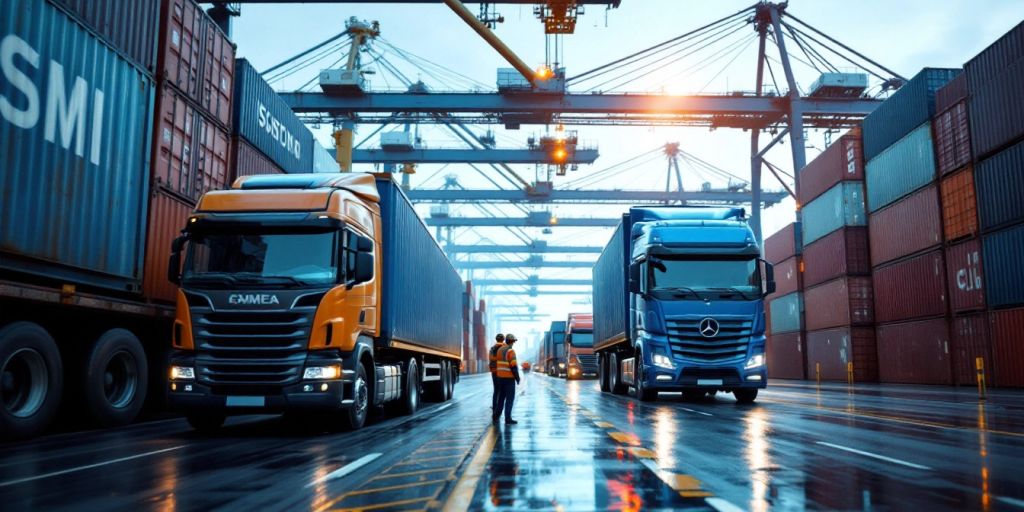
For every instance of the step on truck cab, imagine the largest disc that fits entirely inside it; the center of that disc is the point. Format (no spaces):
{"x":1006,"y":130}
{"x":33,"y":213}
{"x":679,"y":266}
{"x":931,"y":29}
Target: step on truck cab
{"x":679,"y":304}
{"x":581,"y":361}
{"x":310,"y":292}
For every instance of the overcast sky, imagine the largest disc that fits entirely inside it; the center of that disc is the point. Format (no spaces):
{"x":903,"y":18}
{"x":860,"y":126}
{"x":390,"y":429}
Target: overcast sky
{"x":904,"y":35}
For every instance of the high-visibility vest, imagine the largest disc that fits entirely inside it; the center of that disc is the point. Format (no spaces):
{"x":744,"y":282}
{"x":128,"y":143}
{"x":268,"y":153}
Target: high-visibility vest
{"x":492,"y":356}
{"x":506,"y":361}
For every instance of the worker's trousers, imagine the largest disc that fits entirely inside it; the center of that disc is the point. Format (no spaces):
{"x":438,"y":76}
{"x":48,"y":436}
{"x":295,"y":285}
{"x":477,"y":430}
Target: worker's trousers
{"x":506,"y":396}
{"x":495,"y":393}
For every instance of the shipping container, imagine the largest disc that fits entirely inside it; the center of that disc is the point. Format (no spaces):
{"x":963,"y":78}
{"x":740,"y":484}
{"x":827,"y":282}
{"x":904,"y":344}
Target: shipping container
{"x":995,"y":78}
{"x":414,"y":263}
{"x":85,"y":191}
{"x":1006,"y":327}
{"x":611,"y":293}
{"x":1002,"y":252}
{"x":830,"y":350}
{"x":904,"y":167}
{"x":787,"y":313}
{"x":190,"y":154}
{"x":964,"y":273}
{"x":248,"y":161}
{"x":129,"y":27}
{"x":841,"y":302}
{"x":262,"y":118}
{"x":951,"y":93}
{"x":914,"y":352}
{"x":842,"y":205}
{"x":908,"y":226}
{"x":952,"y":138}
{"x":969,"y":340}
{"x":909,"y":107}
{"x":1000,"y":187}
{"x":959,"y":206}
{"x":785,"y":354}
{"x":842,"y":252}
{"x":212,"y":144}
{"x":217,"y":81}
{"x":912,"y":288}
{"x":842,"y":161}
{"x":167,"y":216}
{"x":323,"y":159}
{"x":468,"y":347}
{"x":181,"y":46}
{"x":782,"y":245}
{"x":787,"y":277}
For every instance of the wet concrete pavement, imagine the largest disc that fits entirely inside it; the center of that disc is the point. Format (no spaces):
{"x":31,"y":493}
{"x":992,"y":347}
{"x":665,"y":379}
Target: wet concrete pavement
{"x":575,"y":448}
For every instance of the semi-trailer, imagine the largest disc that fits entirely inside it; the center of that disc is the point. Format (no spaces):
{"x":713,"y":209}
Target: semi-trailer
{"x":580,"y":360}
{"x":555,"y":349}
{"x":679,"y":304}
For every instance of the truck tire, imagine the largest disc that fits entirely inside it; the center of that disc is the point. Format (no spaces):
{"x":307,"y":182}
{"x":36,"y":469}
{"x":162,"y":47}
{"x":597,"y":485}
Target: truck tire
{"x":31,"y":380}
{"x":115,"y":379}
{"x":642,"y":393}
{"x":602,"y":373}
{"x":354,"y":417}
{"x":745,"y":396}
{"x":411,"y":388}
{"x":449,"y":380}
{"x":206,"y":422}
{"x":614,"y":378}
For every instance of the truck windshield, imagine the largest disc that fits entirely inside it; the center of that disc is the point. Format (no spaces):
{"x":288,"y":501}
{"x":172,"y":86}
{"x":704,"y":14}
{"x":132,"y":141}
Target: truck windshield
{"x":262,"y":259}
{"x":727,"y":278}
{"x":583,"y":339}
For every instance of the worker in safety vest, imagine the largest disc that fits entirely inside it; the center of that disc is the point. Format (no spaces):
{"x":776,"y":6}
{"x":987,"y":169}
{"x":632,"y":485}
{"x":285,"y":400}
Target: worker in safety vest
{"x":492,"y":360}
{"x":508,"y":376}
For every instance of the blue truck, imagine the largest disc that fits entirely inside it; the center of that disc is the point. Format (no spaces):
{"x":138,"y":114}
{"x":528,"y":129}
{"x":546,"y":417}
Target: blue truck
{"x":679,"y":304}
{"x":554,"y":350}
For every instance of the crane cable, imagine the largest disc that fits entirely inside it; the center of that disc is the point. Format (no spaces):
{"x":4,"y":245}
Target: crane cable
{"x":287,"y":61}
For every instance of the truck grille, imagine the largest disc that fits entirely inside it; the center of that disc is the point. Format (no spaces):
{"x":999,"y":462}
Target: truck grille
{"x":728,"y":346}
{"x":258,"y":348}
{"x":588,"y":362}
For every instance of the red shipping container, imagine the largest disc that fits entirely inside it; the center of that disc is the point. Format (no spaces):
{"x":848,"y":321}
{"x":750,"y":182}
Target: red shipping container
{"x":842,"y":252}
{"x":951,"y":93}
{"x":969,"y":340}
{"x":246,"y":160}
{"x":167,"y":216}
{"x":842,"y":161}
{"x":190,"y":152}
{"x":952,"y":139}
{"x":787,"y":277}
{"x":212,"y":145}
{"x":785,"y":354}
{"x":959,"y":205}
{"x":909,"y":289}
{"x":1007,"y":329}
{"x":840,"y":302}
{"x":782,"y":245}
{"x":965,"y":277}
{"x":908,"y":226}
{"x":830,"y":350}
{"x":914,"y":352}
{"x":197,"y":58}
{"x":218,"y":78}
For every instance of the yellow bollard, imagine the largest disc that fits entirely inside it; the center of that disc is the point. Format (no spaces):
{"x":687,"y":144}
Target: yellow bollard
{"x":979,"y":365}
{"x":849,"y":373}
{"x":817,"y":373}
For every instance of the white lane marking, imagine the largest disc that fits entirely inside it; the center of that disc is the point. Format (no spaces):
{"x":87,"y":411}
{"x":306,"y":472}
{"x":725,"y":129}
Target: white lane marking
{"x":1010,"y":501}
{"x":346,"y":469}
{"x":722,"y":505}
{"x":875,"y":456}
{"x":696,"y":411}
{"x":443,"y":407}
{"x":87,"y":466}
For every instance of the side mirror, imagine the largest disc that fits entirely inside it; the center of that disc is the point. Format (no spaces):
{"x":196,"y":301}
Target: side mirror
{"x":634,"y":278}
{"x":364,"y":268}
{"x":174,"y":264}
{"x":769,"y":277}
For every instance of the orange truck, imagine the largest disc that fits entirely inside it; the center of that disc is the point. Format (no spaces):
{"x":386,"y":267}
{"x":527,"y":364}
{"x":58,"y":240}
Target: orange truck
{"x":579,"y":343}
{"x":316,"y":293}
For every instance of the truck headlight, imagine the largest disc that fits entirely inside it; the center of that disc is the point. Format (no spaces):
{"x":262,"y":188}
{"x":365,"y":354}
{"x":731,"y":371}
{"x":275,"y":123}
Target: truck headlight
{"x":321,"y":373}
{"x":561,"y":366}
{"x":183,"y":373}
{"x":755,"y":361}
{"x":662,"y":361}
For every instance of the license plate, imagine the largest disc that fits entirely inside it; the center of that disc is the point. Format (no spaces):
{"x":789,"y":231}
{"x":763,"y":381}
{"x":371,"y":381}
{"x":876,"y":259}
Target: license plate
{"x":246,"y":401}
{"x":709,"y":382}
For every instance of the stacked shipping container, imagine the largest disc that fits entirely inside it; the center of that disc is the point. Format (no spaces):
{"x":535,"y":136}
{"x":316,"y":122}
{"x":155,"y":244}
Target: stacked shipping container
{"x":785,"y":347}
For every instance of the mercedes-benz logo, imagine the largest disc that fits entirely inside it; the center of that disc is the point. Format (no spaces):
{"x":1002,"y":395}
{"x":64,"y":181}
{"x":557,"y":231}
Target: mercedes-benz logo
{"x":709,"y":327}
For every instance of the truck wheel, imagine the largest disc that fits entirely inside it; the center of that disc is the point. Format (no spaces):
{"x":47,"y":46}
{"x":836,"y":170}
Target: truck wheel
{"x":602,"y":373}
{"x":116,"y":378}
{"x":355,"y":417}
{"x":614,"y":377}
{"x":642,"y":393}
{"x":205,"y":421}
{"x":31,"y":380}
{"x":446,"y":381}
{"x":745,"y":396}
{"x":452,"y":377}
{"x":411,"y":395}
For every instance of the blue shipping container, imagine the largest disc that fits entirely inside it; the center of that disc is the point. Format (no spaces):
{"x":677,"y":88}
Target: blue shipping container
{"x":995,"y":78}
{"x":1000,"y":188}
{"x":786,"y":313}
{"x":75,"y":141}
{"x":909,"y":107}
{"x":323,"y":160}
{"x":262,"y":118}
{"x":129,"y":26}
{"x":842,"y":205}
{"x":422,"y":303}
{"x":610,"y":291}
{"x":1004,"y":274}
{"x":901,"y":169}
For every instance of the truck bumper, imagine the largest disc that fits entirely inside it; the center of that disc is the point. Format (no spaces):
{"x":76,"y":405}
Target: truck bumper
{"x":709,"y":378}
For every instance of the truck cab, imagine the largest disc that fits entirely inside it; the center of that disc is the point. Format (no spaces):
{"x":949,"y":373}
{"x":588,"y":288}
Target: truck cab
{"x":581,"y":361}
{"x":555,"y":342}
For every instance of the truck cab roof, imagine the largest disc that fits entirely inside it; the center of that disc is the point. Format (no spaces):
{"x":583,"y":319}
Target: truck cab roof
{"x":361,"y":184}
{"x":693,"y":230}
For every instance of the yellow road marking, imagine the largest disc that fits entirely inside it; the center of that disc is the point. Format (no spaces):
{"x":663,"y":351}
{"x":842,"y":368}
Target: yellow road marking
{"x":409,"y":473}
{"x":462,"y":448}
{"x":385,"y":505}
{"x":603,"y":424}
{"x":393,"y":487}
{"x":696,"y":494}
{"x":428,"y":459}
{"x":642,"y":453}
{"x":461,"y":497}
{"x":624,"y":438}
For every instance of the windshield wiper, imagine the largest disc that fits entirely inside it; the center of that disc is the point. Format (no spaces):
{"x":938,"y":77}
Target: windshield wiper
{"x":681,"y":291}
{"x":217,"y":277}
{"x":733,"y":289}
{"x":253,"y":278}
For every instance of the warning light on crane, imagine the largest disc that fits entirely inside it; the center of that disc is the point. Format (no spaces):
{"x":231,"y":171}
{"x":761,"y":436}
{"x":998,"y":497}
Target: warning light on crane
{"x":559,"y":155}
{"x":554,"y":220}
{"x":544,"y":72}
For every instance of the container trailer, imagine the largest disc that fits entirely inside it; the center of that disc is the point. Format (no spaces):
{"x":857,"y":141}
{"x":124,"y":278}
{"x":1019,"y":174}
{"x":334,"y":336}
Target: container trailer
{"x":555,"y":349}
{"x":679,"y":304}
{"x":580,"y":360}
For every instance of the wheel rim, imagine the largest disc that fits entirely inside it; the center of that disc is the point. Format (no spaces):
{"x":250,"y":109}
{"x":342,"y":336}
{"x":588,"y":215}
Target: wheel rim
{"x":362,"y":396}
{"x":613,"y":374}
{"x":414,"y":392}
{"x":120,"y":379}
{"x":24,"y":381}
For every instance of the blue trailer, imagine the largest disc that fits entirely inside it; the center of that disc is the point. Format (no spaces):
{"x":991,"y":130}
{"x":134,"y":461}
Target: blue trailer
{"x":555,"y":350}
{"x":679,"y":304}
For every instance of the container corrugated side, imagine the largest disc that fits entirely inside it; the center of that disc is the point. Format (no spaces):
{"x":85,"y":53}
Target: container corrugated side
{"x":422,"y":303}
{"x":1004,"y":273}
{"x":842,"y":161}
{"x":999,"y":183}
{"x":217,"y":81}
{"x":912,"y":288}
{"x":86,"y":190}
{"x":914,"y":352}
{"x":1006,"y":327}
{"x":842,"y":252}
{"x":995,"y":78}
{"x":969,"y":340}
{"x":908,"y":226}
{"x":262,"y":118}
{"x":167,"y":217}
{"x":840,"y":302}
{"x":180,"y":52}
{"x":842,"y":205}
{"x":964,"y":273}
{"x":190,"y":153}
{"x":951,"y":93}
{"x":786,"y":313}
{"x":610,"y":291}
{"x":959,"y":206}
{"x":831,"y":349}
{"x":784,"y":244}
{"x":909,"y":107}
{"x":785,"y":355}
{"x":128,"y":26}
{"x":787,"y":277}
{"x":952,"y":138}
{"x":904,"y":167}
{"x":248,"y":161}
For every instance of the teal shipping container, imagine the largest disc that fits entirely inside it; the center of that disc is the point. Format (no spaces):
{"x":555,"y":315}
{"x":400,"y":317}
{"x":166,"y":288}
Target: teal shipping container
{"x":901,"y":169}
{"x":786,"y":313}
{"x":842,"y":205}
